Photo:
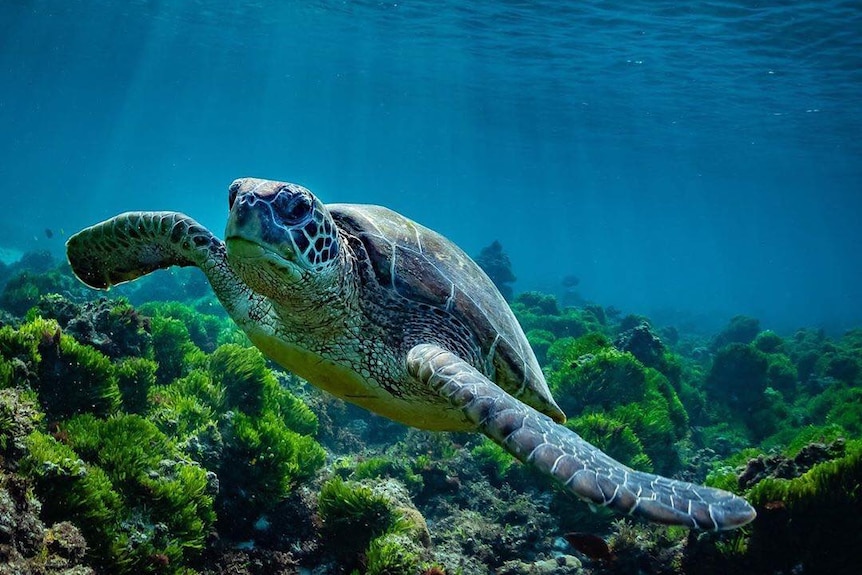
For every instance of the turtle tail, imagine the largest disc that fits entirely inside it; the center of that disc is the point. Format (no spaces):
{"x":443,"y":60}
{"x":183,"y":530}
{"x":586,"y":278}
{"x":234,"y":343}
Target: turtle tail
{"x":134,"y":244}
{"x":556,"y":450}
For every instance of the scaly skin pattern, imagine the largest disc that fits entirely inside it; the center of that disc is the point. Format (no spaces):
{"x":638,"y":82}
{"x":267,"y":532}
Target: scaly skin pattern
{"x":134,"y":244}
{"x":559,"y":452}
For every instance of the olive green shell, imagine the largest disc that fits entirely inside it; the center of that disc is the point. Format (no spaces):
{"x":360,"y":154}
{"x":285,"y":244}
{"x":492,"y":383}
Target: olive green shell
{"x":416,"y":263}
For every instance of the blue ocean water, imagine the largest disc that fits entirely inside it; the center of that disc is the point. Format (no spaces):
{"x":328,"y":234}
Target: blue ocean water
{"x":684,"y":160}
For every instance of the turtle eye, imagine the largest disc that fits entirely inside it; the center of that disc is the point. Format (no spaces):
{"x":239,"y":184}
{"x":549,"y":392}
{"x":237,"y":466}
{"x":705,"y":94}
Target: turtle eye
{"x":291,"y":207}
{"x":231,"y":197}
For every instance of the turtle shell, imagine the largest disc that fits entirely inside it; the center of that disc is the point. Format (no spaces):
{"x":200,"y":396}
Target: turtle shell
{"x":424,"y":267}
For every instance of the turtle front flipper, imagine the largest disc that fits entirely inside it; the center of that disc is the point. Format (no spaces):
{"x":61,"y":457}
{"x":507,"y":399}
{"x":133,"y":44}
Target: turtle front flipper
{"x":134,"y":244}
{"x":556,"y":450}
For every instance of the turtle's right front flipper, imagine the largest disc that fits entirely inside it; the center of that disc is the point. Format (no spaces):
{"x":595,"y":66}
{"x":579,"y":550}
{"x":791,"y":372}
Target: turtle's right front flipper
{"x":556,"y":450}
{"x":134,"y":244}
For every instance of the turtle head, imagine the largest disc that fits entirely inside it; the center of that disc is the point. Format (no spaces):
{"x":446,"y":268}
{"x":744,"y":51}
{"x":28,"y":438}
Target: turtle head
{"x":279,"y":234}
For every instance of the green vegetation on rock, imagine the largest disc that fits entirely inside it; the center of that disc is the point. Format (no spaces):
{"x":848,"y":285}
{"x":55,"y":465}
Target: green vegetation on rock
{"x":128,"y":489}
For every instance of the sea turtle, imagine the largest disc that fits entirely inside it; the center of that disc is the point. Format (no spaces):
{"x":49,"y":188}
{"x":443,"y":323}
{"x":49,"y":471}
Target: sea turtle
{"x":389,"y":315}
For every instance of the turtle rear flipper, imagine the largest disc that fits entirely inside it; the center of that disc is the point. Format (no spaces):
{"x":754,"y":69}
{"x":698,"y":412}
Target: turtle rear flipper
{"x":561,"y":453}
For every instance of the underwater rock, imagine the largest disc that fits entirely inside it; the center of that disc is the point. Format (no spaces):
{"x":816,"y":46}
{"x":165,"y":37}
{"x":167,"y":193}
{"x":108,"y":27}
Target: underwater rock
{"x":738,"y":375}
{"x":809,"y":524}
{"x":24,"y":290}
{"x":58,"y":307}
{"x":37,"y":262}
{"x":494,"y":262}
{"x":783,"y":467}
{"x":741,"y":329}
{"x":642,"y":343}
{"x":373,"y":522}
{"x":27,"y":546}
{"x":538,"y":303}
{"x":251,"y":562}
{"x":560,"y":565}
{"x":113,"y":327}
{"x":17,"y":419}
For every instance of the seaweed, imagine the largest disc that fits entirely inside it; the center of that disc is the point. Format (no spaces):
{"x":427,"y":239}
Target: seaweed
{"x":809,"y":522}
{"x":173,"y":349}
{"x":70,"y":377}
{"x":204,"y":329}
{"x":353,"y":515}
{"x":391,"y":554}
{"x":741,"y":329}
{"x":600,"y":380}
{"x":140,"y":507}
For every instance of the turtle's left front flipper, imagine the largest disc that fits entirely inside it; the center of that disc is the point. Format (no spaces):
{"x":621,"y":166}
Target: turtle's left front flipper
{"x":561,"y":453}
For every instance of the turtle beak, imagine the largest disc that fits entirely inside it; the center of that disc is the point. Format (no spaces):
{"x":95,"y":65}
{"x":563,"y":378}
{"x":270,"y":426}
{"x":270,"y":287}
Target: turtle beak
{"x":252,"y":231}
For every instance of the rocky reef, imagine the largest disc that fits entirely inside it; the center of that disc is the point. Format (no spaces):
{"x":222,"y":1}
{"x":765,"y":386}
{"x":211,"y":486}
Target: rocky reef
{"x":146,"y":436}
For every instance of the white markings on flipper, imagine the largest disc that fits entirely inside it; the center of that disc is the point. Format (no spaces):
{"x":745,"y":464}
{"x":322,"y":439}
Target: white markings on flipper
{"x":556,"y":463}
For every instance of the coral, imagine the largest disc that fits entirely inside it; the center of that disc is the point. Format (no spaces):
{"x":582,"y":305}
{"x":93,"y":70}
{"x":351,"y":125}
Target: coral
{"x":23,"y":290}
{"x":353,"y":515}
{"x":231,"y":561}
{"x":769,"y":342}
{"x":187,"y":410}
{"x":642,"y":343}
{"x":738,"y":376}
{"x":122,"y":482}
{"x":784,"y":467}
{"x":594,"y":313}
{"x":597,"y":381}
{"x":636,"y":546}
{"x":491,"y":527}
{"x":839,"y":405}
{"x":268,"y":448}
{"x":567,"y":350}
{"x":251,"y":387}
{"x":559,"y":565}
{"x":392,"y":554}
{"x":781,"y":374}
{"x":840,"y":365}
{"x":27,"y":546}
{"x":204,"y":329}
{"x":75,"y":378}
{"x":173,"y":349}
{"x":494,"y":262}
{"x":537,"y":303}
{"x":538,"y":311}
{"x":377,"y":467}
{"x":741,"y":329}
{"x":723,"y":437}
{"x":70,"y":377}
{"x":243,"y":374}
{"x":659,"y":421}
{"x":811,"y":522}
{"x":541,"y":341}
{"x":236,"y":419}
{"x":135,"y":376}
{"x":7,"y":373}
{"x":18,"y":417}
{"x":266,"y":458}
{"x":55,"y":306}
{"x":112,"y":327}
{"x":493,"y":460}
